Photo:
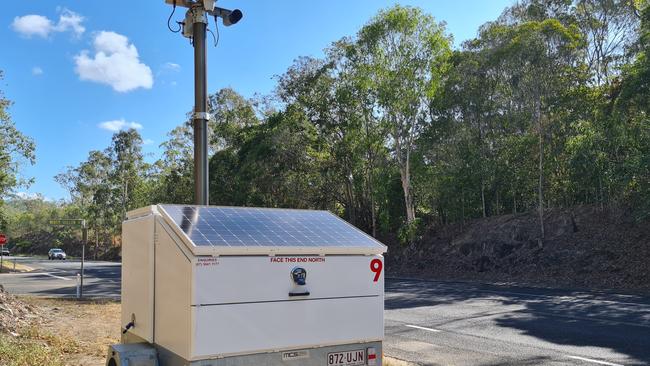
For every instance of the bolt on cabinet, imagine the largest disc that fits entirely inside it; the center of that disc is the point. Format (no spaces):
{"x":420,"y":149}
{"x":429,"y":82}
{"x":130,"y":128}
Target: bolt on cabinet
{"x":217,"y":283}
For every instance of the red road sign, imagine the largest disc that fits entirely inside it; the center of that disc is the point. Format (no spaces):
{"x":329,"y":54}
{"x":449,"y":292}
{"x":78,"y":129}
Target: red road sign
{"x":3,"y":239}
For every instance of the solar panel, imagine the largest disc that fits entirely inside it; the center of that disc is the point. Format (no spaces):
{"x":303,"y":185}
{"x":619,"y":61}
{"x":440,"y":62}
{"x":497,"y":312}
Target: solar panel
{"x":266,"y":227}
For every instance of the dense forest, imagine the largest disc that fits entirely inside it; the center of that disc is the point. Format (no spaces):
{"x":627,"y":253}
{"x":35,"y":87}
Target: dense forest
{"x":396,"y":130}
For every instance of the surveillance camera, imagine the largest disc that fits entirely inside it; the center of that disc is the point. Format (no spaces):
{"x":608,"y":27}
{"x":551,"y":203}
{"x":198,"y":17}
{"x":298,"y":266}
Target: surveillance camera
{"x":229,"y":17}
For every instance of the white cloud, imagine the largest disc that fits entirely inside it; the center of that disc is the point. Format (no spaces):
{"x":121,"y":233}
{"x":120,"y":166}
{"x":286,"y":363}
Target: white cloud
{"x":116,"y":63}
{"x":171,"y":66}
{"x":119,"y":124}
{"x":36,"y":71}
{"x":148,"y":141}
{"x":32,"y":25}
{"x":41,"y":26}
{"x":70,"y":20}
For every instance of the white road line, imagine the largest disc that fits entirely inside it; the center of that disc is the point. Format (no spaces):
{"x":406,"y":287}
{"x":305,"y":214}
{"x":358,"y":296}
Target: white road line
{"x":594,"y":361}
{"x":423,"y":328}
{"x":59,"y":277}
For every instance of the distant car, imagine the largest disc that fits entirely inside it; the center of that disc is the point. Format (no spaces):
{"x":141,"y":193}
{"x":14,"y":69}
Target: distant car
{"x":56,"y":253}
{"x":5,"y":252}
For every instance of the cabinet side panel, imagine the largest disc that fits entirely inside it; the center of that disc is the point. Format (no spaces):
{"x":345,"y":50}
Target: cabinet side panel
{"x":137,"y":275}
{"x":224,"y":330}
{"x":172,"y":306}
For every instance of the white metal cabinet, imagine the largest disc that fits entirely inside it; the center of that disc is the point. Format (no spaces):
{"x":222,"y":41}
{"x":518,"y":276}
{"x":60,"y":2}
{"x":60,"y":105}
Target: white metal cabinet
{"x":239,"y":301}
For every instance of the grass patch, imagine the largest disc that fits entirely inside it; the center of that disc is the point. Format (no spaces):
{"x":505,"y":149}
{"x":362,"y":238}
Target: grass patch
{"x":8,"y":266}
{"x":82,"y":330}
{"x":62,"y":332}
{"x":21,"y":351}
{"x":395,"y":362}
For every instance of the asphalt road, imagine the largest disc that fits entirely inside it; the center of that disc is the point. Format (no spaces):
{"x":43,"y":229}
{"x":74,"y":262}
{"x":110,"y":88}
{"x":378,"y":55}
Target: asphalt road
{"x":436,"y":323}
{"x":444,"y":323}
{"x":59,"y":278}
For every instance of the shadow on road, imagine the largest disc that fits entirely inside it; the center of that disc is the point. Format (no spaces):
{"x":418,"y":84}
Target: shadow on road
{"x":412,"y":294}
{"x":100,"y":281}
{"x":624,"y":328}
{"x":93,"y":290}
{"x":574,"y":318}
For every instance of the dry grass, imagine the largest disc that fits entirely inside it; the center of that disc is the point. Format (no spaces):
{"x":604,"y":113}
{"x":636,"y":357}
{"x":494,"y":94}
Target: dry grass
{"x":72,"y":333}
{"x":8,"y":267}
{"x":395,"y":362}
{"x":27,"y":352}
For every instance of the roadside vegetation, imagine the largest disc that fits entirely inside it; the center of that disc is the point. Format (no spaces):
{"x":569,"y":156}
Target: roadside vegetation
{"x":401,"y":133}
{"x":53,"y":332}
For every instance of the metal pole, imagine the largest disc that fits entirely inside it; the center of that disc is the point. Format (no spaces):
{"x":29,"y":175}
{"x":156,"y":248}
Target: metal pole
{"x":84,"y":238}
{"x":201,"y":179}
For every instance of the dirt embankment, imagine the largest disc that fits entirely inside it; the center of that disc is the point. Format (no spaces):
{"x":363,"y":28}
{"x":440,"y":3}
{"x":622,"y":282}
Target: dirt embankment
{"x":583,"y":247}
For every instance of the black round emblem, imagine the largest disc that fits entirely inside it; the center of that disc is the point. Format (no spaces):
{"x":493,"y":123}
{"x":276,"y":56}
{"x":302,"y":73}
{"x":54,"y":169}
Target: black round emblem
{"x":299,"y":276}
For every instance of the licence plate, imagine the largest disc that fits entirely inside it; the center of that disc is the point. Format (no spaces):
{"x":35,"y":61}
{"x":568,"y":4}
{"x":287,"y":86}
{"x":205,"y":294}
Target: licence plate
{"x":346,"y":358}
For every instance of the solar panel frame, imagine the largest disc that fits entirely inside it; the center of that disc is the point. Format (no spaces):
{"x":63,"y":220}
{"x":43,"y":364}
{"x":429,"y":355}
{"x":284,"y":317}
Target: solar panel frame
{"x":224,"y":230}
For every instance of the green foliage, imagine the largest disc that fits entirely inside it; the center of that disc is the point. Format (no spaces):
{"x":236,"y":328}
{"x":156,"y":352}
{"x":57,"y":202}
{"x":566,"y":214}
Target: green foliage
{"x":410,"y":232}
{"x":403,"y":59}
{"x":394,"y":131}
{"x":16,"y":149}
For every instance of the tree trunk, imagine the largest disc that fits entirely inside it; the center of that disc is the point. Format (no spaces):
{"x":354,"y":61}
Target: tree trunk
{"x":350,"y":198}
{"x":462,"y":209}
{"x":124,"y":196}
{"x":600,"y":193}
{"x":369,"y":177}
{"x":483,"y":198}
{"x":408,"y":195}
{"x":540,"y":187}
{"x":405,"y":176}
{"x":96,"y":241}
{"x":373,"y":218}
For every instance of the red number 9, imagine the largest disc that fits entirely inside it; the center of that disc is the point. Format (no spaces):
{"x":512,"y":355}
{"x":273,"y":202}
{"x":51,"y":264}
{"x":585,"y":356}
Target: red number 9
{"x":376,"y":266}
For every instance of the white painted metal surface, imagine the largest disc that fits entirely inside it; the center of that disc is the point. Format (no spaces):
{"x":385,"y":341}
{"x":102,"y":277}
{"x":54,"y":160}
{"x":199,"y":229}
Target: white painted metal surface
{"x":202,"y":307}
{"x":137,"y":272}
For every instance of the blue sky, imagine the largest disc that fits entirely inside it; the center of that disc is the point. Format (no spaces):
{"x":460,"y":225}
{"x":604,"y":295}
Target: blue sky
{"x":76,"y":69}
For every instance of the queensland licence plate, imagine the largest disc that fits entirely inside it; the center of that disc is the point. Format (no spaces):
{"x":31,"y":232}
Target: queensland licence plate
{"x":346,"y":358}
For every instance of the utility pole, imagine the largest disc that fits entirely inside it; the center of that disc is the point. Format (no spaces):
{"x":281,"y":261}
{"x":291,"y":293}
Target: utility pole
{"x":195,"y":27}
{"x":84,"y":239}
{"x":83,"y":225}
{"x":201,"y":116}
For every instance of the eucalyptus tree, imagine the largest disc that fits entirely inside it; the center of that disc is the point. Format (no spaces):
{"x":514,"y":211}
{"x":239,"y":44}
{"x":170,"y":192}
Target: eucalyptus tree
{"x":91,"y":189}
{"x":611,"y":28}
{"x":176,"y":166}
{"x":543,"y":59}
{"x":631,"y":118}
{"x":126,"y":155}
{"x":16,"y":149}
{"x":407,"y":53}
{"x":373,"y":131}
{"x":231,"y":113}
{"x":323,"y":89}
